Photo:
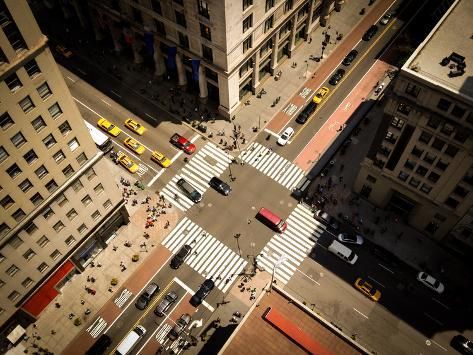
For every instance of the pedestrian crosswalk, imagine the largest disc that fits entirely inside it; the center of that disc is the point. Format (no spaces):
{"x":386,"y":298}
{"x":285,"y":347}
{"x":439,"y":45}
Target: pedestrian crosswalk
{"x":124,"y":296}
{"x":162,"y":338}
{"x":208,"y":162}
{"x":210,"y":257}
{"x":97,"y":327}
{"x":286,"y":251}
{"x":272,"y":165}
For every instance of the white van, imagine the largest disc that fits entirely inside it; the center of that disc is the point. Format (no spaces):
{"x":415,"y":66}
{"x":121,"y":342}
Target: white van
{"x":343,"y":252}
{"x":130,"y":340}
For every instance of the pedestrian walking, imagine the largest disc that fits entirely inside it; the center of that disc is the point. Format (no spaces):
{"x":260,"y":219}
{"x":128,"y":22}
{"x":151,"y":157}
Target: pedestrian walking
{"x":249,"y":221}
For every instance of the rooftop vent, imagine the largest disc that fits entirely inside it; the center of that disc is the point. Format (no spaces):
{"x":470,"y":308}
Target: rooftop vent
{"x":457,"y":68}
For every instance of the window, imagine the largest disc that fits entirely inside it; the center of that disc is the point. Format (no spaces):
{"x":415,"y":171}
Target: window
{"x":77,"y":186}
{"x":19,"y":215}
{"x":410,"y":164}
{"x":183,"y":40}
{"x":439,"y":217}
{"x":205,"y":32}
{"x":447,"y":129}
{"x":15,"y":242}
{"x":203,"y":8}
{"x":160,"y":28}
{"x":3,"y":154}
{"x":68,"y":171}
{"x":30,"y":156}
{"x":7,"y":202}
{"x":451,"y":202}
{"x":180,"y":18}
{"x":30,"y":228}
{"x":461,"y":135}
{"x":59,"y":226}
{"x":266,"y":47}
{"x":51,"y":186}
{"x":438,"y":144}
{"x":18,"y":140}
{"x":443,"y":104}
{"x":13,"y":82}
{"x":4,"y":229}
{"x":107,"y":204}
{"x":41,"y":172}
{"x":6,"y":121}
{"x":268,"y":24}
{"x":27,"y":282}
{"x":38,"y":124}
{"x":247,"y":4}
{"x":59,"y":156}
{"x":211,"y":75}
{"x":433,"y":177}
{"x":451,"y":150}
{"x":421,"y":170}
{"x":98,"y":189}
{"x":287,"y":6}
{"x":397,"y":122}
{"x":13,"y":296}
{"x":14,"y":171}
{"x":2,"y":283}
{"x":73,"y":144}
{"x":371,"y":179}
{"x":434,"y":122}
{"x":86,"y":200}
{"x":247,"y":23}
{"x":25,"y":185}
{"x":156,"y":6}
{"x":43,"y":241}
{"x":70,"y":241}
{"x":49,"y":141}
{"x":303,"y":11}
{"x":403,"y":176}
{"x":82,"y":229}
{"x":55,"y":254}
{"x":43,"y":267}
{"x":390,"y":137}
{"x":44,"y":91}
{"x":412,"y":90}
{"x":269,"y":4}
{"x":458,"y":111}
{"x":90,"y":174}
{"x":425,"y":137}
{"x":247,"y":43}
{"x":429,"y":158}
{"x":285,"y":28}
{"x":96,"y":215}
{"x":417,"y":152}
{"x":62,"y":200}
{"x":55,"y":110}
{"x":404,"y":109}
{"x":71,"y":214}
{"x":36,"y":199}
{"x":414,"y":182}
{"x":180,"y":2}
{"x":137,"y":15}
{"x":29,"y":254}
{"x":65,"y":128}
{"x":26,"y":104}
{"x":48,"y":212}
{"x":460,"y":191}
{"x":245,"y":67}
{"x":32,"y":68}
{"x":207,"y":53}
{"x":81,"y":159}
{"x":12,"y":270}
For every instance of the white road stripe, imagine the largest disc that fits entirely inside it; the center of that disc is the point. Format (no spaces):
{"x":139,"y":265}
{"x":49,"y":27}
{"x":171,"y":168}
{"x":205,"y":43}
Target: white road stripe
{"x":360,"y":313}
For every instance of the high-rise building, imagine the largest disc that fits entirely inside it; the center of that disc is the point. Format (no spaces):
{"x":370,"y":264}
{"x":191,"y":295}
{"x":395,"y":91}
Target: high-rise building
{"x":421,"y":162}
{"x":222,"y":49}
{"x":57,"y":203}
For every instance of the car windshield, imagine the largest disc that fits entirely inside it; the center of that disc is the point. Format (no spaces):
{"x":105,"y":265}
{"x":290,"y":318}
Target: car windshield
{"x":350,"y":238}
{"x":436,"y":283}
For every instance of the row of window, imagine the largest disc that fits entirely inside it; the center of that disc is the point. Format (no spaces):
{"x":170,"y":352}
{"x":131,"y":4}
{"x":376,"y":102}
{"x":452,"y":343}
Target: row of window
{"x":38,"y":123}
{"x":438,"y":144}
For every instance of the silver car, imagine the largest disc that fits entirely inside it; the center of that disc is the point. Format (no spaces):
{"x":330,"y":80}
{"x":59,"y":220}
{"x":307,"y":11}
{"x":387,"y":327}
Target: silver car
{"x":431,"y":282}
{"x":166,"y":303}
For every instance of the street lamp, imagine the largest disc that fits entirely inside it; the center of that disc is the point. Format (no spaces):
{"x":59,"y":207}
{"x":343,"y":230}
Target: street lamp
{"x":237,"y":236}
{"x":280,"y":260}
{"x":306,"y":68}
{"x":232,"y":178}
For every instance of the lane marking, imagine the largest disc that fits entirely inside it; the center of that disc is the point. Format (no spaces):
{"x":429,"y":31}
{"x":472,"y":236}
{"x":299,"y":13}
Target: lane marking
{"x":113,"y":92}
{"x":71,"y":79}
{"x":310,"y":278}
{"x":440,"y":346}
{"x":153,"y":118}
{"x":360,"y":313}
{"x":440,"y":303}
{"x":385,"y":268}
{"x":435,"y":320}
{"x":81,"y":71}
{"x":271,"y":132}
{"x":106,"y":103}
{"x":374,"y":280}
{"x":156,"y":177}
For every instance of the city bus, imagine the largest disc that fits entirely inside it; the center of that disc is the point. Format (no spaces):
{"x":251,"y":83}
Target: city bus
{"x":101,"y":140}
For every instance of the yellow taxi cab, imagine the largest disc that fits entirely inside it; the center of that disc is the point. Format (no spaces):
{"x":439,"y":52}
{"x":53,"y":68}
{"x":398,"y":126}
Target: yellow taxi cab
{"x":161,"y":159}
{"x":134,"y":145}
{"x":129,"y":164}
{"x":108,"y":127}
{"x":367,"y":289}
{"x":320,"y":95}
{"x":135,"y":126}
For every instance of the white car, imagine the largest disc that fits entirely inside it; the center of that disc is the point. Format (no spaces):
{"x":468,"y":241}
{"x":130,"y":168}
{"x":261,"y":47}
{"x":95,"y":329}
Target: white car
{"x":285,"y":136}
{"x":430,"y":282}
{"x":385,"y":19}
{"x":350,"y":238}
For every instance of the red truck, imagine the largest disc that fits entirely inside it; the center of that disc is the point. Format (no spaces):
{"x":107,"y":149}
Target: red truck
{"x":183,"y":143}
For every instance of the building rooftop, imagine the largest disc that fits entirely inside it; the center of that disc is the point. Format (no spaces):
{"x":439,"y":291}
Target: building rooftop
{"x":439,"y":57}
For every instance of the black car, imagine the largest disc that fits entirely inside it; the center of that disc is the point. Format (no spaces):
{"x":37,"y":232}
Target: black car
{"x":202,"y":292}
{"x":181,"y":324}
{"x":100,"y":346}
{"x":181,"y":255}
{"x":189,"y":190}
{"x":306,"y":112}
{"x":335,"y":79}
{"x":220,"y":186}
{"x":370,"y":33}
{"x":150,"y":291}
{"x":350,"y":57}
{"x":462,"y":344}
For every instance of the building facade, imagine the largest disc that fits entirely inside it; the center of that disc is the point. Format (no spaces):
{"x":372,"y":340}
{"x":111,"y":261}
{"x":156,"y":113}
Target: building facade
{"x":58,"y":206}
{"x":421,"y":163}
{"x":222,"y":49}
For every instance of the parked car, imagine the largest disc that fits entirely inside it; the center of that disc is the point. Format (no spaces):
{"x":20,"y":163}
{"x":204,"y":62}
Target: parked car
{"x":220,"y":186}
{"x":370,"y":33}
{"x":108,"y":127}
{"x":325,"y":217}
{"x":135,"y":126}
{"x":350,"y":57}
{"x":386,"y":18}
{"x":462,"y":344}
{"x":166,"y":303}
{"x":320,"y":94}
{"x":285,"y":136}
{"x":367,"y":289}
{"x":181,"y":256}
{"x":190,"y":191}
{"x":350,"y":238}
{"x":183,"y":143}
{"x":181,"y":324}
{"x":202,"y":292}
{"x":306,"y":112}
{"x":335,"y":79}
{"x":430,"y":282}
{"x":150,"y":291}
